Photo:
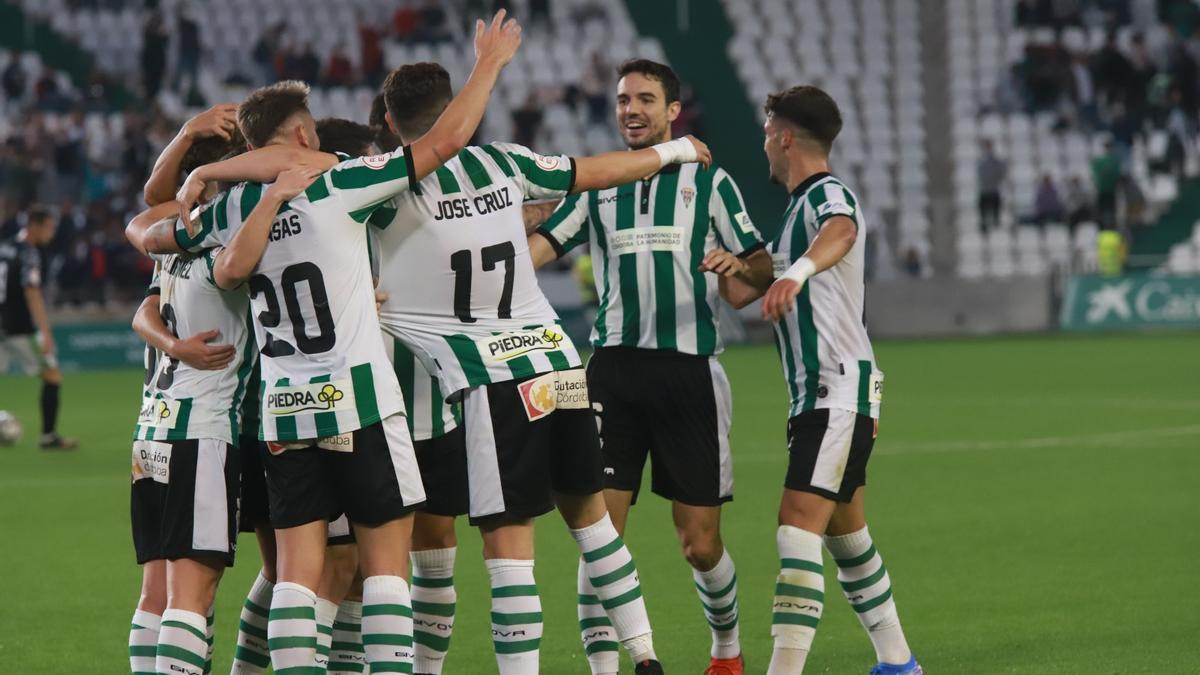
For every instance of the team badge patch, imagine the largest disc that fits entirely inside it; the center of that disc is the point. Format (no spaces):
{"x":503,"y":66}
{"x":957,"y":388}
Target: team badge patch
{"x":565,"y":389}
{"x":376,"y":161}
{"x":546,"y":163}
{"x":537,"y":396}
{"x":688,"y":195}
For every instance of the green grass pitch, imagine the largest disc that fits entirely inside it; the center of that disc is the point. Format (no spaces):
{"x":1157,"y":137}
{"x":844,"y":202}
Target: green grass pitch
{"x":1035,"y":500}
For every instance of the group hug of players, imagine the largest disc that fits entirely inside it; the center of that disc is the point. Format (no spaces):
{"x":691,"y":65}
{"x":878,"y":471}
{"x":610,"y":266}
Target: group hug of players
{"x":348,"y":349}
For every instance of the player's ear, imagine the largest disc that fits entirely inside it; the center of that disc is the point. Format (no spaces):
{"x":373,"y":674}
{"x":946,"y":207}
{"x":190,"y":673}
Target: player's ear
{"x":301,"y":137}
{"x":391,"y":123}
{"x":673,"y":110}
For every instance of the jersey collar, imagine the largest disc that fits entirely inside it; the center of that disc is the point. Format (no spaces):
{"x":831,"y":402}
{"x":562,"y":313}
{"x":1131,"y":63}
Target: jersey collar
{"x":808,"y":182}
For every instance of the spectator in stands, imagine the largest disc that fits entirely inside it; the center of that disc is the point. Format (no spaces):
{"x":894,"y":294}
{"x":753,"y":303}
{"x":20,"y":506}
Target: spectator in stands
{"x":1083,"y":91}
{"x":371,"y":56}
{"x":405,"y":22}
{"x":595,"y":85}
{"x":912,"y":263}
{"x":1106,"y":171}
{"x":1010,"y":96}
{"x":1134,"y":201}
{"x":308,"y":65}
{"x":48,"y":94}
{"x":1078,"y":202}
{"x":1179,"y":134}
{"x":339,"y":71}
{"x":1142,"y":70}
{"x":991,"y":172}
{"x":539,"y":13}
{"x":265,"y":49}
{"x":434,"y":27}
{"x":69,"y":157}
{"x":188,"y":52}
{"x":14,"y":79}
{"x":1112,"y":70}
{"x":527,"y":120}
{"x":154,"y":54}
{"x":1047,"y":205}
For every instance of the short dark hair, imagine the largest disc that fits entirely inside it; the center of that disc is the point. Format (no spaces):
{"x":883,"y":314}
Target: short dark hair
{"x":344,"y":136}
{"x":655,"y":71}
{"x":211,"y":149}
{"x":810,"y":109}
{"x":267,"y":108}
{"x":415,"y":94}
{"x":36,"y":214}
{"x":385,"y":138}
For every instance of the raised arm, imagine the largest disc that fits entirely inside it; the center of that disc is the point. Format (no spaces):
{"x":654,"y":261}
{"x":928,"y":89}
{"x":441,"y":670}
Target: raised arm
{"x":153,"y":230}
{"x":616,"y":168}
{"x":236,"y":262}
{"x":832,"y":243}
{"x":218,"y":121}
{"x":495,"y":46}
{"x":258,"y":166}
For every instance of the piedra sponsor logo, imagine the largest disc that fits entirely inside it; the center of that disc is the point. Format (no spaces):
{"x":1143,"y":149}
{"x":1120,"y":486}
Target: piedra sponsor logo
{"x":507,"y":346}
{"x":315,"y":397}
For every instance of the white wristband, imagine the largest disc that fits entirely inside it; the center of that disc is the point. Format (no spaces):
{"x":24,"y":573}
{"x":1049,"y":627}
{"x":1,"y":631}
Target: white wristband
{"x":800,"y":270}
{"x":678,"y":151}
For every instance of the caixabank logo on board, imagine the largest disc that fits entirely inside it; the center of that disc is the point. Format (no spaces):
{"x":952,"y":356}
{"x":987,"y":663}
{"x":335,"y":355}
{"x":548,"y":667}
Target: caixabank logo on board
{"x":1098,"y":303}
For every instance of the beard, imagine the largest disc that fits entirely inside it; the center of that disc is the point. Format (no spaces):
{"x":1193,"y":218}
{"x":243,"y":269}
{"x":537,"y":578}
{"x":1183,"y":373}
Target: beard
{"x":653,"y":136}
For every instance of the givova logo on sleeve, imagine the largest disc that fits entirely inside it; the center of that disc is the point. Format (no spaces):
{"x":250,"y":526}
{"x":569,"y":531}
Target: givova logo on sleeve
{"x":314,"y":397}
{"x":152,"y":459}
{"x":513,"y":344}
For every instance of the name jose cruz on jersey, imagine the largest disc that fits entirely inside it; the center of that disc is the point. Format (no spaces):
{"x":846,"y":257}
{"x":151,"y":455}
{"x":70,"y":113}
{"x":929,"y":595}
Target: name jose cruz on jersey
{"x":461,"y":207}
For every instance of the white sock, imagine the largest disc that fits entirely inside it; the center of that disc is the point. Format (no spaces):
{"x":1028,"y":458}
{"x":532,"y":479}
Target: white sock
{"x":614,"y":577}
{"x":326,"y":613}
{"x":387,"y":624}
{"x":253,"y":655}
{"x":595,"y":628}
{"x":346,"y":654}
{"x":143,"y":642}
{"x":799,"y":599}
{"x":292,"y":628}
{"x":516,"y":616}
{"x":181,"y":643}
{"x":434,"y":604}
{"x":718,"y":594}
{"x":868,"y":588}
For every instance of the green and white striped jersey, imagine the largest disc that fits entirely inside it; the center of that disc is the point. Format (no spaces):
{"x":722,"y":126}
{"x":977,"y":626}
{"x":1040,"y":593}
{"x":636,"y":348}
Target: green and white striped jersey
{"x":325,"y":369}
{"x":180,"y":402}
{"x":429,"y":415}
{"x":647,"y":240}
{"x":827,"y":357}
{"x":462,"y":292}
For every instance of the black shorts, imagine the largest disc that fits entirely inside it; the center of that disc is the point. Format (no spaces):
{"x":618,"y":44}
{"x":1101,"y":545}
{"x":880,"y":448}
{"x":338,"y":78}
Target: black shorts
{"x":828,"y":451}
{"x":254,"y":511}
{"x":184,"y":500}
{"x":443,"y":462}
{"x":677,"y":409}
{"x":521,"y":450}
{"x":372,"y":479}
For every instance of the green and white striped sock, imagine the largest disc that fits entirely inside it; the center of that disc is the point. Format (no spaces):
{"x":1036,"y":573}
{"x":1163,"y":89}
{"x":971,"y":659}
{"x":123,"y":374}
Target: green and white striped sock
{"x":434,"y":603}
{"x":346,"y":654}
{"x":799,"y":599}
{"x":181,"y":643}
{"x":387,"y":624}
{"x":516,"y":616}
{"x":326,"y":613}
{"x":613,"y":575}
{"x":868,"y":588}
{"x":292,"y":630}
{"x":595,"y":628}
{"x":252,"y":655}
{"x":208,"y":637}
{"x":718,"y":594}
{"x":143,"y":642}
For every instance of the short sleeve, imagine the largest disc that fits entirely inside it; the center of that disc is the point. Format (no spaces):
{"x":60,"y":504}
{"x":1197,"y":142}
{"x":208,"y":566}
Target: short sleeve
{"x":363,"y":183}
{"x":541,"y":176}
{"x":31,"y":267}
{"x":831,"y":199}
{"x":729,"y":217}
{"x":218,"y":220}
{"x":567,"y":226}
{"x":155,"y":287}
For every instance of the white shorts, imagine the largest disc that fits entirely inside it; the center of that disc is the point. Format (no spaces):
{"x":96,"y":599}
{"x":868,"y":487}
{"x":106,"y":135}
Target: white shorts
{"x":27,"y":353}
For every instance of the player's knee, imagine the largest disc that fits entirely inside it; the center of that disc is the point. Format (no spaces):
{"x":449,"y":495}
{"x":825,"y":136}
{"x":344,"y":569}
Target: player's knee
{"x":52,"y":376}
{"x":702,"y":550}
{"x":153,"y":600}
{"x":341,"y":563}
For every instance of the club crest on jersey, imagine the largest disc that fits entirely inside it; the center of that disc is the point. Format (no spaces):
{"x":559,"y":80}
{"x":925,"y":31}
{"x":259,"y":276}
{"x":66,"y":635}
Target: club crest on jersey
{"x":376,"y":161}
{"x":688,"y":195}
{"x":315,"y":397}
{"x":546,"y":163}
{"x":514,"y":344}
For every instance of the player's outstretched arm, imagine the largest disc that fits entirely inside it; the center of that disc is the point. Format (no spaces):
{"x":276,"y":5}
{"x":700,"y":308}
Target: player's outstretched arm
{"x":540,"y":250}
{"x":194,"y":351}
{"x":832,"y":244}
{"x":153,"y":230}
{"x":495,"y":46}
{"x":617,"y":168}
{"x":236,"y":262}
{"x":742,"y":280}
{"x":218,"y":121}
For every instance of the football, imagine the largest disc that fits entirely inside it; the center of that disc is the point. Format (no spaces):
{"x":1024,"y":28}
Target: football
{"x":10,"y":428}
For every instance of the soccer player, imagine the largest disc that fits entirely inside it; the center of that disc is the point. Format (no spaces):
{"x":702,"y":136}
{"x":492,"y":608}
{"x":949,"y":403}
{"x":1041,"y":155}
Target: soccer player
{"x":656,"y":385}
{"x":326,"y":376}
{"x":815,"y":299}
{"x":25,"y":334}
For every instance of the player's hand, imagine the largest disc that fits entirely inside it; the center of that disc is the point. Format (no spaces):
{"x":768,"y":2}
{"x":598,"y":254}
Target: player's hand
{"x":723,"y":262}
{"x":497,"y":43}
{"x":780,"y":299}
{"x":380,"y":298}
{"x":47,"y":343}
{"x":292,"y":182}
{"x":703,"y":154}
{"x":188,"y":195}
{"x":219,"y":120}
{"x":197,"y":353}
